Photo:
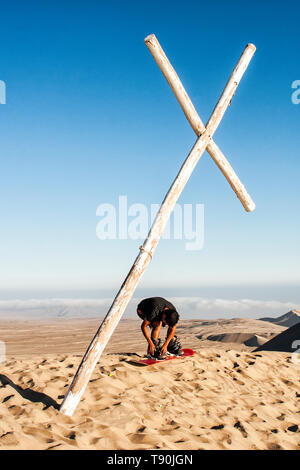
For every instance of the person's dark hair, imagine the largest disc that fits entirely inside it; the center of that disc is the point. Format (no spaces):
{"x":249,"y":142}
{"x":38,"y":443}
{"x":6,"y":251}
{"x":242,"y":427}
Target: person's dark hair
{"x":172,"y":317}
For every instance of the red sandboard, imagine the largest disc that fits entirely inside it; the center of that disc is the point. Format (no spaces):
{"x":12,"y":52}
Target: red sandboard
{"x":149,"y":362}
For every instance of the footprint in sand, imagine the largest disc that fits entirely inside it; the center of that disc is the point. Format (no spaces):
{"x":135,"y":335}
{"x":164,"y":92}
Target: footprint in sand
{"x":218,"y":426}
{"x":293,"y":428}
{"x":7,"y":398}
{"x":36,"y":432}
{"x":8,"y":439}
{"x":16,"y":410}
{"x":241,"y":428}
{"x":281,"y":417}
{"x":142,"y":429}
{"x":31,"y":383}
{"x":274,"y":446}
{"x":172,"y":423}
{"x":53,"y":447}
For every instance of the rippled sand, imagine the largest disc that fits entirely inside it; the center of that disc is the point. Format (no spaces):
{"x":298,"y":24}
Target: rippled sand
{"x":217,"y":399}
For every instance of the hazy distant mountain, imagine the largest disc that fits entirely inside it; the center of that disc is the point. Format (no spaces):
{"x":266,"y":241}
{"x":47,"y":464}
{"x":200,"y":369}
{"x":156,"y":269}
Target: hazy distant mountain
{"x":287,"y":341}
{"x":290,"y":318}
{"x":42,"y":307}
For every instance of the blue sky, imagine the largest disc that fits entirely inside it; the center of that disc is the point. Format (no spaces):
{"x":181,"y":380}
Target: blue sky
{"x":89,"y":117}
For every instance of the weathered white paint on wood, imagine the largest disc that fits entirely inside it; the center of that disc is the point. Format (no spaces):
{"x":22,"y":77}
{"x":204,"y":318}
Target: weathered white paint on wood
{"x":195,"y":121}
{"x":122,"y":298}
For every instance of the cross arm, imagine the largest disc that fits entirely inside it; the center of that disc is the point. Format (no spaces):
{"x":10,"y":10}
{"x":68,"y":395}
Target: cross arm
{"x":195,"y":121}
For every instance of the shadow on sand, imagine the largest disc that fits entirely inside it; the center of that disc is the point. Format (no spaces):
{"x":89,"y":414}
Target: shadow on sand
{"x":129,"y":354}
{"x":31,"y":395}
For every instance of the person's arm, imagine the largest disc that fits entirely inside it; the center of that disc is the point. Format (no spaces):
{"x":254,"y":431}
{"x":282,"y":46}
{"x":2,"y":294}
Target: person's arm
{"x":144,"y":326}
{"x":170,"y":335}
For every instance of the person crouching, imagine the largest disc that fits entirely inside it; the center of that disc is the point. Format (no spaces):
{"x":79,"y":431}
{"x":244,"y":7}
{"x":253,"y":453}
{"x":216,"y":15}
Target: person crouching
{"x":157,"y":312}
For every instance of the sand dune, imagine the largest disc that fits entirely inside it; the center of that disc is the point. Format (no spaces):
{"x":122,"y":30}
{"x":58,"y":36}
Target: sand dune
{"x":255,"y":340}
{"x":287,"y":341}
{"x":290,"y":318}
{"x":214,"y":400}
{"x":237,"y":333}
{"x":248,"y":339}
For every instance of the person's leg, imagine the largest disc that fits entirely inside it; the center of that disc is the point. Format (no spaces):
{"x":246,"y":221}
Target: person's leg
{"x":156,"y":326}
{"x":153,"y":327}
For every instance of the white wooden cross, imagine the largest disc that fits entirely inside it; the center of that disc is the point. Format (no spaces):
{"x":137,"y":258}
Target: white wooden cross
{"x":203,"y":142}
{"x":195,"y":121}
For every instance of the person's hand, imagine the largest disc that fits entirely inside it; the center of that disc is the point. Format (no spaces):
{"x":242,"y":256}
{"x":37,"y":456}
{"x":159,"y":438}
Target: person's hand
{"x":151,"y":349}
{"x":163,"y":349}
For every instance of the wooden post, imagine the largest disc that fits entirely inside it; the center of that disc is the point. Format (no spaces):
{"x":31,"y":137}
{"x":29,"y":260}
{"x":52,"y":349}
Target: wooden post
{"x":122,"y":298}
{"x":195,"y":121}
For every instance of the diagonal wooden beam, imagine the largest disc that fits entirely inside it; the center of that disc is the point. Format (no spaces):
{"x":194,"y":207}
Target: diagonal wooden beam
{"x":139,"y":266}
{"x":195,"y":121}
